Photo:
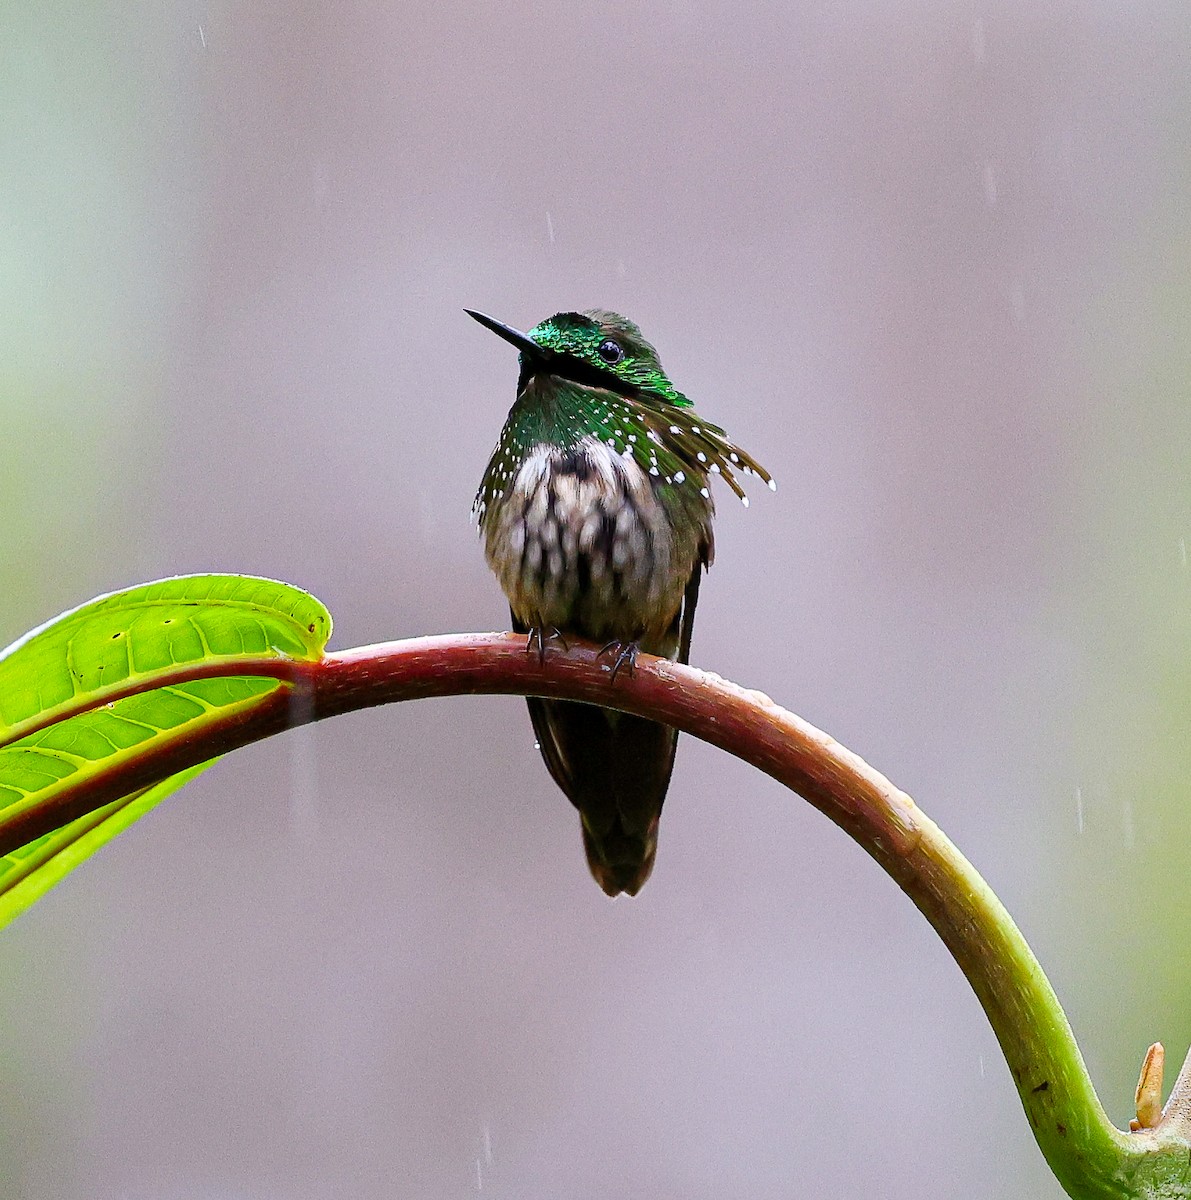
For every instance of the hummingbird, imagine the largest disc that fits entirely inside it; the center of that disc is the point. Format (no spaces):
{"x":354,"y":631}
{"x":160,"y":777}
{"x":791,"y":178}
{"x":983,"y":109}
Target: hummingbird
{"x":596,"y":514}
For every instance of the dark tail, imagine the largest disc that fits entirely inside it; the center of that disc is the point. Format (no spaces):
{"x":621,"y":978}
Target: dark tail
{"x":615,"y":769}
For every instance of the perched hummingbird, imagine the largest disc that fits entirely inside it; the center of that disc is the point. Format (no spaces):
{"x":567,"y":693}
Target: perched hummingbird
{"x":596,"y":511}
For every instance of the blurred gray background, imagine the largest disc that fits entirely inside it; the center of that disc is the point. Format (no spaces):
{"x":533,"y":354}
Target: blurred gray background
{"x":928,"y":261}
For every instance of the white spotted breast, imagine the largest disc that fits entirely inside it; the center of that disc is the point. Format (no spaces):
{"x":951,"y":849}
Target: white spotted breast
{"x":582,"y":540}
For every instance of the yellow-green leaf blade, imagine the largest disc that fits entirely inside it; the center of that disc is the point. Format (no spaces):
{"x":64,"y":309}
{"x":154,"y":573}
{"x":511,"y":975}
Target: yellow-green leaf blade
{"x":87,"y":696}
{"x":27,"y":874}
{"x":120,"y":641}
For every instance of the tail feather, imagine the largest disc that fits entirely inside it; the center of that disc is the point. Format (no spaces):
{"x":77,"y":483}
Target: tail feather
{"x":615,"y":769}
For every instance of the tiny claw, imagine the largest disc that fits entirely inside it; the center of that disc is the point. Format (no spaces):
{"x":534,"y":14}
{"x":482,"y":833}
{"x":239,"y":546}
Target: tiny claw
{"x":541,"y":634}
{"x":626,"y":656}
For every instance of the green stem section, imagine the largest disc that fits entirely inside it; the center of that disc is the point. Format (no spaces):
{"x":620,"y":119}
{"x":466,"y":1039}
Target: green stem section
{"x":1089,"y":1156}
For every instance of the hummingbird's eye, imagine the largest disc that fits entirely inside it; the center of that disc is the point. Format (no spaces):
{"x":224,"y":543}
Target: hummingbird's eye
{"x":609,"y":351}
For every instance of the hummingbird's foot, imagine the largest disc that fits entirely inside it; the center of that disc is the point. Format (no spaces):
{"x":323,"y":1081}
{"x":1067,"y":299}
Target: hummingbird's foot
{"x":626,"y":655}
{"x":539,"y":635}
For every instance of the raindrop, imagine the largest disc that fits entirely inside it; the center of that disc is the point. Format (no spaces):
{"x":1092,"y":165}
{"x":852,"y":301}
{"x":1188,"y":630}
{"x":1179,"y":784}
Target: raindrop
{"x":1127,"y":827}
{"x":550,"y":227}
{"x":990,"y":186}
{"x":1017,"y":302}
{"x":1079,"y":809}
{"x":978,"y":46}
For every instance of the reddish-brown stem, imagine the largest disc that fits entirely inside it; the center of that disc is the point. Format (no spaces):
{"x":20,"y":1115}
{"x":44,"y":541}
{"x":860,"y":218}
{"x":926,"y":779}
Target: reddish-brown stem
{"x":1088,"y":1155}
{"x":746,"y":723}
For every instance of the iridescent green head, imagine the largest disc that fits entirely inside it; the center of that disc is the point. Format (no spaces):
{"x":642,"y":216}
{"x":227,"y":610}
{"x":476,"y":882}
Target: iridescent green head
{"x":597,"y":368}
{"x":609,"y":345}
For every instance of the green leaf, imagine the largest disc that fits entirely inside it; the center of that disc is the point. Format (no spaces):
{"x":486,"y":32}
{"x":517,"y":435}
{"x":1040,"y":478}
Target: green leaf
{"x":106,"y":683}
{"x":123,"y":638}
{"x":30,"y":872}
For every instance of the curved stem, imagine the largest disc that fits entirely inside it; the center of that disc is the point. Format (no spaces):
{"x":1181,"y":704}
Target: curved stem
{"x":1089,"y":1156}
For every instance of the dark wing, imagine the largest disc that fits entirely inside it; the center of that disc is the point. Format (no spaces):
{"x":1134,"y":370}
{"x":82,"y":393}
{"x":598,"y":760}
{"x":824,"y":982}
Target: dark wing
{"x":690,"y":597}
{"x":552,"y":751}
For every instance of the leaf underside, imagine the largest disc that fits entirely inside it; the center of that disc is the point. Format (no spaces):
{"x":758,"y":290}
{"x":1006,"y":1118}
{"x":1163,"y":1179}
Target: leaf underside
{"x":97,"y":687}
